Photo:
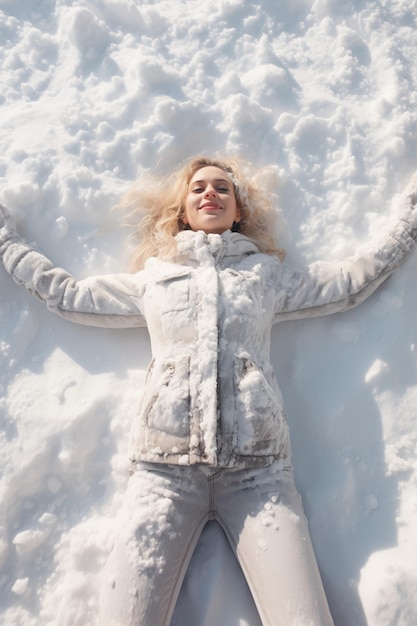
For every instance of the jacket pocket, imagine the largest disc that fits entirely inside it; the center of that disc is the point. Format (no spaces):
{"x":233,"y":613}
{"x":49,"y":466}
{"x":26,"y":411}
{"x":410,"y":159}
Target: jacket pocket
{"x":170,"y":308}
{"x":172,"y":292}
{"x":259,"y":415}
{"x":164,"y":414}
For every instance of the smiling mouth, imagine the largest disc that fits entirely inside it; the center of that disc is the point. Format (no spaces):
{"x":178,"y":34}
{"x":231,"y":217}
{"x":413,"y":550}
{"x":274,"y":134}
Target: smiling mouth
{"x":211,"y":206}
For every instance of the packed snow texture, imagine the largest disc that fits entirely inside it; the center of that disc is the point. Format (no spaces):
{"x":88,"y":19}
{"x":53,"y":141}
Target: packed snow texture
{"x":94,"y":93}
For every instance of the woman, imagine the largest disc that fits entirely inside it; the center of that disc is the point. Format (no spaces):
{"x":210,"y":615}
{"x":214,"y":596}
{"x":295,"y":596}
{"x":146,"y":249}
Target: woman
{"x":210,"y":440}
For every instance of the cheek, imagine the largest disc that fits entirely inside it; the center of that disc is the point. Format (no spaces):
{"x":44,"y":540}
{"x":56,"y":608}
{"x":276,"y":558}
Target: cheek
{"x":190,"y":202}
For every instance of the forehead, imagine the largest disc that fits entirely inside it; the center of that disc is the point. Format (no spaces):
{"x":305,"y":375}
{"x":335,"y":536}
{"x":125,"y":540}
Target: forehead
{"x":210,"y":173}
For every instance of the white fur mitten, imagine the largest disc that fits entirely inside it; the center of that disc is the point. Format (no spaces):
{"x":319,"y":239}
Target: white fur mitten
{"x":7,"y":226}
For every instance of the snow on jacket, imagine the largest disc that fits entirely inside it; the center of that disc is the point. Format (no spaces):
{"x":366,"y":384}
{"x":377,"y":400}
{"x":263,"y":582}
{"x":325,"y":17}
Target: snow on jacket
{"x":210,"y":394}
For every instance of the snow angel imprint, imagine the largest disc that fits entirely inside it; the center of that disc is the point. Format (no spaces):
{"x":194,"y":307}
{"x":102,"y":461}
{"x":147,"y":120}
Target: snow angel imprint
{"x":210,"y":439}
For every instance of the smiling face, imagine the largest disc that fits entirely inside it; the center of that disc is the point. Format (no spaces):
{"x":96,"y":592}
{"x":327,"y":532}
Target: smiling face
{"x":211,"y":201}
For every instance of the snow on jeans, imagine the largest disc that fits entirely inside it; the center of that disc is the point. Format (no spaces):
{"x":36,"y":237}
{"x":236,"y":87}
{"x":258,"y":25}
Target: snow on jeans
{"x":164,"y":511}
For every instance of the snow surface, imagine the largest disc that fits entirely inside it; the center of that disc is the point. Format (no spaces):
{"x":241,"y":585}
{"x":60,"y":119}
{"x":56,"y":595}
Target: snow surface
{"x":93,"y":92}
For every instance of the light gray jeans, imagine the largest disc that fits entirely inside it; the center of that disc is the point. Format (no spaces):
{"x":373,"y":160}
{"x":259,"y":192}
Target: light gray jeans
{"x":164,"y":511}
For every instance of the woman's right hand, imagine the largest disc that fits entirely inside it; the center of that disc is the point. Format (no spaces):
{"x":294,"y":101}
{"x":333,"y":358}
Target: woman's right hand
{"x":7,"y":224}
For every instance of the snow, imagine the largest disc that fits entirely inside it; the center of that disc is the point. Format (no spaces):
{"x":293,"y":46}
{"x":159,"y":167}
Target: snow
{"x":93,"y":93}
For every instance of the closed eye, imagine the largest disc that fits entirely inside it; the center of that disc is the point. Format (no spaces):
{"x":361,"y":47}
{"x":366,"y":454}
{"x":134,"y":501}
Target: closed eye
{"x":220,"y":185}
{"x":218,"y":189}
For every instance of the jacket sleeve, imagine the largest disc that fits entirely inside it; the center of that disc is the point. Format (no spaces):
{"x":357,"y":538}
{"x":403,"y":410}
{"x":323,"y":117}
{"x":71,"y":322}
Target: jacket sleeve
{"x":110,"y":300}
{"x":326,"y":288}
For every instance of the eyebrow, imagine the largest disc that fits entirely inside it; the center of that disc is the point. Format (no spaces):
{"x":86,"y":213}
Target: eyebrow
{"x":216,"y":180}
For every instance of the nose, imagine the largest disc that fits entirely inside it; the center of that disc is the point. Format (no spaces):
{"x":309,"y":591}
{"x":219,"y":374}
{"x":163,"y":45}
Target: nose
{"x":210,"y":192}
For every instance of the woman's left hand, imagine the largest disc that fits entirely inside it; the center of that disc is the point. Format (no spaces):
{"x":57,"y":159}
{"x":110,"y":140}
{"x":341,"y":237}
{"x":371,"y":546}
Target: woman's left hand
{"x":409,"y":210}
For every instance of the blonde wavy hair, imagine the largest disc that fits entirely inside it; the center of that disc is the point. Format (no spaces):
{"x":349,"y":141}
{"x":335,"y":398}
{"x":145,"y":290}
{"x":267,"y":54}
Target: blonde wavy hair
{"x":159,"y":203}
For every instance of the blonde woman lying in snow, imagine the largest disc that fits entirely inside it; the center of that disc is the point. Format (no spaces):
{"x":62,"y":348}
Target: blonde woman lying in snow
{"x":210,"y":440}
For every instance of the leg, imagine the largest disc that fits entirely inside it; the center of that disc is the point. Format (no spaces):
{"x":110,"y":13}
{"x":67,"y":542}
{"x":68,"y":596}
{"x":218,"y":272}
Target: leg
{"x":163,"y":513}
{"x":262,"y":515}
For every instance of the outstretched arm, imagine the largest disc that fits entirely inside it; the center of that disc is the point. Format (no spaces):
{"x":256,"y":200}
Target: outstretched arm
{"x":333,"y":287}
{"x":109,"y":300}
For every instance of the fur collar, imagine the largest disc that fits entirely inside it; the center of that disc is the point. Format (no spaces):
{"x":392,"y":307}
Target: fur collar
{"x":199,"y":246}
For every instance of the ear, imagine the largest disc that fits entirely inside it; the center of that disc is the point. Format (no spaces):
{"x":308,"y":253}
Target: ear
{"x":238,"y":215}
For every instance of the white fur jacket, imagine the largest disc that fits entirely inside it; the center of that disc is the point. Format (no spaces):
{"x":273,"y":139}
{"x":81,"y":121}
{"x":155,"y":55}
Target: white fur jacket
{"x":210,"y":395}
